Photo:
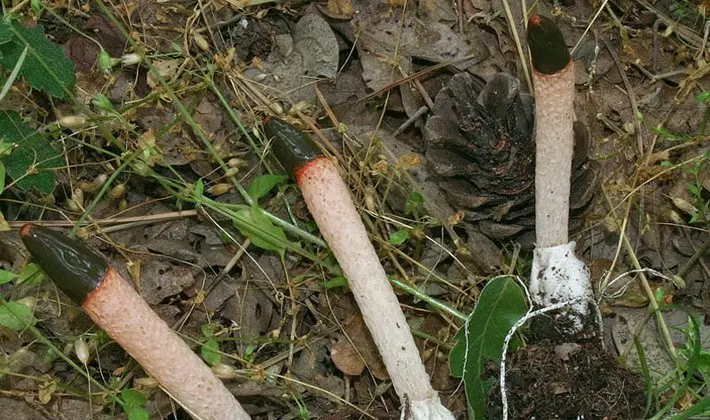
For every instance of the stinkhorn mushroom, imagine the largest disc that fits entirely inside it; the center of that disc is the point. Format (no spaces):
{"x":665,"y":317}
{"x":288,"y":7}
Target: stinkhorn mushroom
{"x":329,"y":202}
{"x":557,"y":274}
{"x":113,"y":304}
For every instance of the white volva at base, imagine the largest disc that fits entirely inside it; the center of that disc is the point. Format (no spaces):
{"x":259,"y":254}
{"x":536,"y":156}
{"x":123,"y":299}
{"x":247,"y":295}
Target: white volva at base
{"x":430,"y":409}
{"x":559,"y":276}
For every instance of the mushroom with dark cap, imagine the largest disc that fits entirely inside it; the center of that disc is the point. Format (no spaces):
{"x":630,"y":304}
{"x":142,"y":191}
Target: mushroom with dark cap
{"x":329,"y":202}
{"x":113,"y":304}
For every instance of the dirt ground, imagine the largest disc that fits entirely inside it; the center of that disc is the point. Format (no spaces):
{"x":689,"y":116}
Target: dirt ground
{"x":562,"y":379}
{"x":384,"y":87}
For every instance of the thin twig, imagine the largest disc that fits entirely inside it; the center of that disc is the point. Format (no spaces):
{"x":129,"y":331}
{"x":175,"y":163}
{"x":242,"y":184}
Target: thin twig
{"x":699,"y":252}
{"x":428,"y":299}
{"x":417,"y":75}
{"x":630,"y":93}
{"x":418,"y":114}
{"x":591,"y":22}
{"x":154,"y":218}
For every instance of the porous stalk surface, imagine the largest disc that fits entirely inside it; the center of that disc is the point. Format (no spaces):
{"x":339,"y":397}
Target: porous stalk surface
{"x":126,"y":317}
{"x":554,"y":138}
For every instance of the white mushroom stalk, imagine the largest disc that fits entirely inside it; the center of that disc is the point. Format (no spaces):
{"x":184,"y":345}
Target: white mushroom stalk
{"x":328,"y":200}
{"x":557,"y":274}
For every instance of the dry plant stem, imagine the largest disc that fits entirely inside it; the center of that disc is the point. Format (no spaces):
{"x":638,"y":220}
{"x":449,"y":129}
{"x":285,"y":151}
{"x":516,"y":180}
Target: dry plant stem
{"x":114,"y":305}
{"x":696,"y":257}
{"x":328,"y":200}
{"x":554,"y":117}
{"x":682,"y":31}
{"x":418,"y":114}
{"x":518,"y":45}
{"x":638,"y":128}
{"x":661,"y":322}
{"x":653,"y":304}
{"x":414,"y":76}
{"x":589,"y":26}
{"x":160,"y":217}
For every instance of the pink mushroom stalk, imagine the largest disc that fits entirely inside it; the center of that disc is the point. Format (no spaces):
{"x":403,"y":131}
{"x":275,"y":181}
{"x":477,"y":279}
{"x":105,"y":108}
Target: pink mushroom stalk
{"x":329,"y":202}
{"x":113,"y":304}
{"x":557,"y":274}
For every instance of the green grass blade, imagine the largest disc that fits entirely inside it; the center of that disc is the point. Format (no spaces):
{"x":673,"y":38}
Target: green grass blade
{"x":646,"y":374}
{"x":15,"y":72}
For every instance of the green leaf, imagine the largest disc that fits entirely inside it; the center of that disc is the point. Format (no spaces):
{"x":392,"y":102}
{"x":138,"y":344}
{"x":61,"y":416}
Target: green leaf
{"x":132,"y":397}
{"x":207,"y":330}
{"x":6,"y":276}
{"x":49,"y":356}
{"x":250,"y":349}
{"x":658,"y":295}
{"x":254,"y":224}
{"x":335,"y":282}
{"x":666,"y":164}
{"x":399,"y":237}
{"x":262,"y":185}
{"x":199,"y":190}
{"x":701,"y":408}
{"x":704,"y":361}
{"x":414,"y":203}
{"x":480,"y":342}
{"x":5,"y":33}
{"x":16,"y":316}
{"x":646,"y":373}
{"x":693,"y":189}
{"x":36,"y":6}
{"x":210,"y":352}
{"x":105,"y":62}
{"x":14,"y":74}
{"x":134,"y":404}
{"x":6,"y":148}
{"x":31,"y":274}
{"x":2,"y":177}
{"x":46,"y":68}
{"x":702,"y":97}
{"x":103,"y":103}
{"x":32,"y":153}
{"x":670,"y":136}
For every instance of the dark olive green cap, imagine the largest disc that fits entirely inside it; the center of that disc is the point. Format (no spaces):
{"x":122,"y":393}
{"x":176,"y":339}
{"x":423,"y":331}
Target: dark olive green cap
{"x":292,"y":147}
{"x":547,"y":45}
{"x":72,"y":265}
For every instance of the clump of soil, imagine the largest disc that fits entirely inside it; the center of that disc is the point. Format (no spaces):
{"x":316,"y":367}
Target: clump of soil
{"x":577,"y":379}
